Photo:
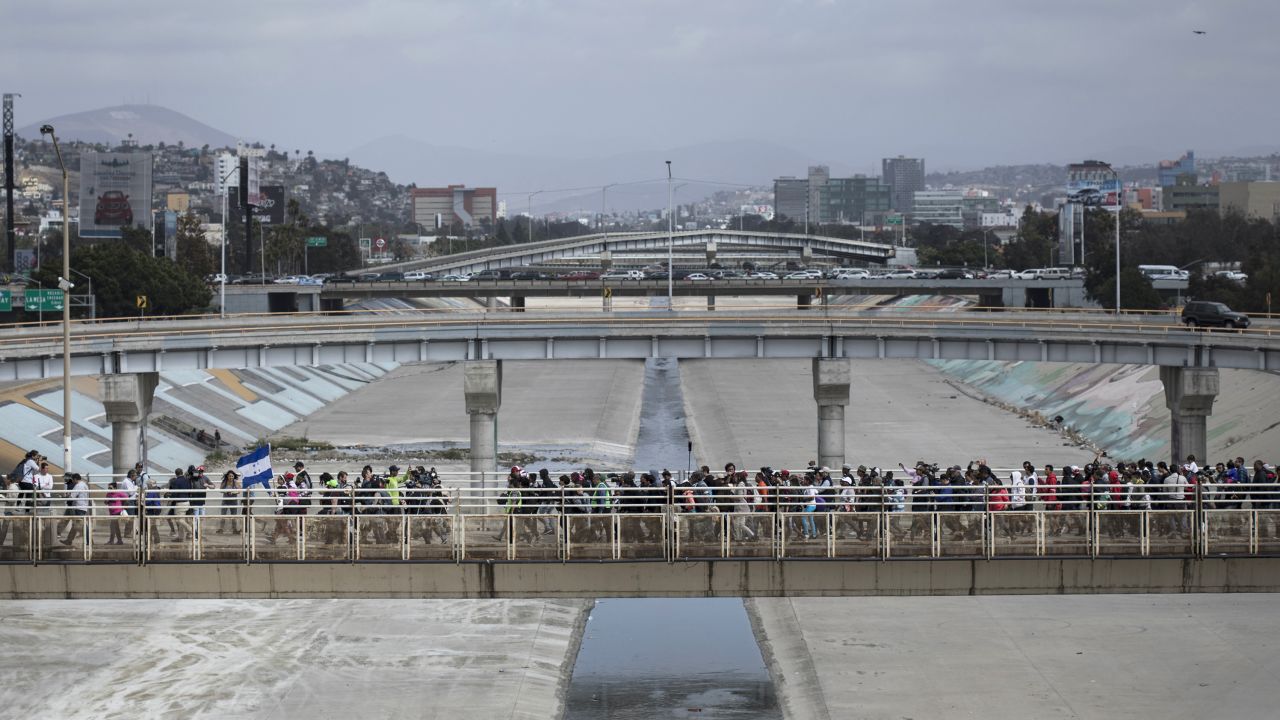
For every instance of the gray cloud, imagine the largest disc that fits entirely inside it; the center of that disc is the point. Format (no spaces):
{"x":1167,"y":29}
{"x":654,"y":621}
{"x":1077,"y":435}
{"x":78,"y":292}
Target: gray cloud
{"x":964,"y":83}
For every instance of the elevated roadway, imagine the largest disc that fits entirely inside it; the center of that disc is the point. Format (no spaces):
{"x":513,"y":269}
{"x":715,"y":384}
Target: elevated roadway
{"x":128,"y":355}
{"x":126,"y":346}
{"x":707,"y":243}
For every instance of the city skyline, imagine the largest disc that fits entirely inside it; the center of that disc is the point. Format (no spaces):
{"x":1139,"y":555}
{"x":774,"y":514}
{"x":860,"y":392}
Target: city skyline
{"x":1014,"y":84}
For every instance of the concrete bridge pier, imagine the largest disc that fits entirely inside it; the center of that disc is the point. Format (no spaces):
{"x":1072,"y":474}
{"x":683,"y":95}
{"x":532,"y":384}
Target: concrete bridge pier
{"x":127,"y":400}
{"x":711,"y":302}
{"x":831,"y":391}
{"x":711,"y":251}
{"x":491,"y":303}
{"x":517,"y":303}
{"x":1189,"y":393}
{"x":804,"y":301}
{"x":482,"y":390}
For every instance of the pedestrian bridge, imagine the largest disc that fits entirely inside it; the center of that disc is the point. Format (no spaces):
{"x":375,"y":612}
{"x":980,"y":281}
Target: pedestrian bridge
{"x":649,"y":545}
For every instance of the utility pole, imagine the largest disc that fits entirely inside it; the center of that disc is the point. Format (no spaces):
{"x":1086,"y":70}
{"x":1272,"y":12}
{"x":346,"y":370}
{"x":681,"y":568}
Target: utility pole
{"x":671,"y":241}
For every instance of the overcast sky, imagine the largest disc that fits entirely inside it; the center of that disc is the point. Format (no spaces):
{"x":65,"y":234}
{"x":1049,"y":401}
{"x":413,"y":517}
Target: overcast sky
{"x":962,"y":82}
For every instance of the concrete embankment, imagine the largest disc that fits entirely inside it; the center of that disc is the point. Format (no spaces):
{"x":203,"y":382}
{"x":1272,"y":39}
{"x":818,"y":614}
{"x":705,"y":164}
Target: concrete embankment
{"x":1022,"y":657}
{"x":290,"y":658}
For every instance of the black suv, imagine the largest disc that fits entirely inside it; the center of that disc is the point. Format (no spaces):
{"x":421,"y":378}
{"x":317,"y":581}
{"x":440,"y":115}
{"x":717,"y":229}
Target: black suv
{"x":1199,"y":313}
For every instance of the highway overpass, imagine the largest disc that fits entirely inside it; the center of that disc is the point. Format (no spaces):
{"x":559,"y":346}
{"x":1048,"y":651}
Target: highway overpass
{"x":127,"y":355}
{"x":693,"y":248}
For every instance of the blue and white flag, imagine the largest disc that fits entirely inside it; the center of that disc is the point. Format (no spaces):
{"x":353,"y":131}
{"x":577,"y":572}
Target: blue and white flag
{"x":255,"y":467}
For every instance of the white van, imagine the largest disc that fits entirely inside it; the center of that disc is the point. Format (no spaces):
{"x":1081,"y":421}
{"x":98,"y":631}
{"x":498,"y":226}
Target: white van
{"x":1164,"y":272}
{"x":1052,"y":273}
{"x":623,"y":275}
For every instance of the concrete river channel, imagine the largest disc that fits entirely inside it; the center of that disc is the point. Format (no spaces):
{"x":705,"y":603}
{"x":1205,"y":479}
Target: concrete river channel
{"x":668,"y":657}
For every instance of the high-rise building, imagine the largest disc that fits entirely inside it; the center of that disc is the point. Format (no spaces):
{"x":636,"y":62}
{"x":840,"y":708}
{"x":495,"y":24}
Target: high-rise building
{"x":790,"y":198}
{"x":818,"y":177}
{"x":1171,"y":169}
{"x":853,"y":200}
{"x":905,"y":177}
{"x":938,"y":207}
{"x":469,"y":207}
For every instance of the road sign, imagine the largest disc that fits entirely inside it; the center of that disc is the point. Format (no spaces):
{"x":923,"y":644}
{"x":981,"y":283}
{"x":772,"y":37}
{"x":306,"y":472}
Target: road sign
{"x":380,"y":243}
{"x":39,"y":300}
{"x":141,"y":302}
{"x":318,"y":241}
{"x":6,"y":301}
{"x":893,"y":220}
{"x":364,"y":242}
{"x":608,"y":293}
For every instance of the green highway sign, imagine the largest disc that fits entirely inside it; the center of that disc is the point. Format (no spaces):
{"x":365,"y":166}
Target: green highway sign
{"x":893,"y":220}
{"x":318,"y":241}
{"x":6,"y":301}
{"x":42,"y":300}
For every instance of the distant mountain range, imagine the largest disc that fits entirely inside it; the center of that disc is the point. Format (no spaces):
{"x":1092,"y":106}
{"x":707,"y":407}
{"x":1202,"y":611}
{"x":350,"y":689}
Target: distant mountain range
{"x":149,"y":124}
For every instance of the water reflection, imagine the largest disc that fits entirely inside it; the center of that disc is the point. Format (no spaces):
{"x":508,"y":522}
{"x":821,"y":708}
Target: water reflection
{"x":670,"y":658}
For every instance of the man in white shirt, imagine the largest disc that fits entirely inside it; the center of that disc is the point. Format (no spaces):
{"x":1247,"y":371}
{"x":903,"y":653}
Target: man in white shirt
{"x":77,"y":507}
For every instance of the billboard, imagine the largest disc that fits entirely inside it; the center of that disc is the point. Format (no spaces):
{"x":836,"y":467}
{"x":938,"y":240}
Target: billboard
{"x":115,"y":190}
{"x":1093,"y":183}
{"x":269,"y":209}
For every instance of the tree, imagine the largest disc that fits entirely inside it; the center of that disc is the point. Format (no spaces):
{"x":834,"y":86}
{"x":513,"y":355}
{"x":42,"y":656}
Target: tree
{"x":137,"y":238}
{"x":194,"y":254}
{"x":1033,"y":247}
{"x":1136,"y":292}
{"x":120,"y":274}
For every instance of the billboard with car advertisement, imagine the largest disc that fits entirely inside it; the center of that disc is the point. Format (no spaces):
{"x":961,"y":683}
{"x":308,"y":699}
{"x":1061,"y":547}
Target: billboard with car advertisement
{"x":115,"y":191}
{"x":270,"y":207}
{"x":1093,"y":183}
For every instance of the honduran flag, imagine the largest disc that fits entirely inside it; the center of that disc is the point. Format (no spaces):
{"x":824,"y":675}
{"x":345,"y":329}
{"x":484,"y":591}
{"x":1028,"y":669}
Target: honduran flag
{"x":255,"y":467}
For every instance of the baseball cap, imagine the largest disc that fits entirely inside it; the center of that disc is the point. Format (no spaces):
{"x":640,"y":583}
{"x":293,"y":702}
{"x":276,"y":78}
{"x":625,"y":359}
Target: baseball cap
{"x":297,"y":465}
{"x":394,"y":469}
{"x":516,"y":469}
{"x":288,"y":476}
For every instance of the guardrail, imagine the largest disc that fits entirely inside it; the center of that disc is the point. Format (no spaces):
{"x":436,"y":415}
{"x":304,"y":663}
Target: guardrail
{"x":651,"y":524}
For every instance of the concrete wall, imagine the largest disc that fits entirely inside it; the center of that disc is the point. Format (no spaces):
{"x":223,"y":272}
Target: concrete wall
{"x":642,"y":579}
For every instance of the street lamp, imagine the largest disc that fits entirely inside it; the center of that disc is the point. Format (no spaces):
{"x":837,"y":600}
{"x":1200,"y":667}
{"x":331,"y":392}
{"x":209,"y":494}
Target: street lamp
{"x":603,"y":191}
{"x":671,"y":240}
{"x":1119,"y":208}
{"x":532,"y":195}
{"x":65,"y":284}
{"x":222,"y":290}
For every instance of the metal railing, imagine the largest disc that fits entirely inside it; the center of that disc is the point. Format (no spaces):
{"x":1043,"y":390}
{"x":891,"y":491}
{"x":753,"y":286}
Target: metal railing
{"x":424,"y":524}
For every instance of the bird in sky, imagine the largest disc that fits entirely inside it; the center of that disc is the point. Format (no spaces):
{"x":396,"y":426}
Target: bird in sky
{"x":1199,"y":32}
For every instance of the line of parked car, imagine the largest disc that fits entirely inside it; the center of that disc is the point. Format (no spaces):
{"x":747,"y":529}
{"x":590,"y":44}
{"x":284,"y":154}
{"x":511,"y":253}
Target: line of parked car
{"x":703,"y":275}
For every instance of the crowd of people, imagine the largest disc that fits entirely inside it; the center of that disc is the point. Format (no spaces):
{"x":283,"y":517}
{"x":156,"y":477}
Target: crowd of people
{"x":923,"y":487}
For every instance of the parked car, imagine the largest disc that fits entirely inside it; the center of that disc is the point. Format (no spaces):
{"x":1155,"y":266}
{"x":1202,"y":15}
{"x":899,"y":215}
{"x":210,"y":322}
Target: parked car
{"x":113,"y":209}
{"x":697,"y":276}
{"x":491,"y":275}
{"x":852,"y":275}
{"x":1000,"y":274}
{"x":901,"y":274}
{"x":216,"y":278}
{"x":763,"y":275}
{"x":1201,"y":313}
{"x":367,"y":277}
{"x":803,"y":275}
{"x":623,"y":275}
{"x":390,"y":277}
{"x":529,"y":275}
{"x":580,"y":275}
{"x":418,"y":276}
{"x":1232,"y":275}
{"x":455,"y":277}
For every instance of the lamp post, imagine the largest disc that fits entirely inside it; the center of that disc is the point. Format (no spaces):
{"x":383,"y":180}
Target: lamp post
{"x":671,"y":240}
{"x":222,"y":273}
{"x":532,"y":195}
{"x":1119,"y":208}
{"x":604,"y":228}
{"x":65,"y":284}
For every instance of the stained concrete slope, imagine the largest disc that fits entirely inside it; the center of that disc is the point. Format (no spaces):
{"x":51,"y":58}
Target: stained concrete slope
{"x":1113,"y":656}
{"x":289,"y":659}
{"x":561,"y":402}
{"x":1121,"y":407}
{"x":762,"y":412}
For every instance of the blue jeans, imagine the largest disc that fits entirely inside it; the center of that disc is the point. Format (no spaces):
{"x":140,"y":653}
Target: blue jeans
{"x":810,"y":528}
